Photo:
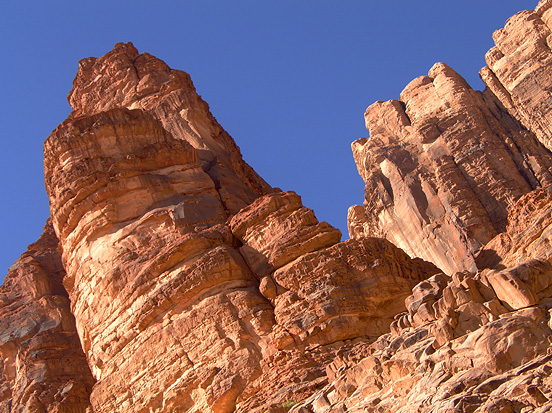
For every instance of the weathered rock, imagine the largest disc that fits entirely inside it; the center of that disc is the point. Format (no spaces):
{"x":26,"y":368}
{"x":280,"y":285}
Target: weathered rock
{"x":442,"y":167}
{"x":276,"y":229}
{"x":352,"y":289}
{"x":196,"y":287}
{"x":148,"y":258}
{"x":43,"y":366}
{"x":528,"y":235}
{"x":170,"y":314}
{"x":323,"y":291}
{"x":518,"y":69}
{"x":125,"y":78}
{"x":472,"y":357}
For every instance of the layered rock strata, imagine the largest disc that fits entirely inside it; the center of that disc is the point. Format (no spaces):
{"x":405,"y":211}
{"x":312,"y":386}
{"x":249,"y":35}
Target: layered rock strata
{"x":189,"y":284}
{"x":148,"y":260}
{"x":466,"y":344}
{"x":322,"y":291}
{"x":124,"y":78}
{"x":442,"y":168}
{"x":518,"y":69}
{"x":528,"y":235}
{"x":184,"y":300}
{"x":43,"y":367}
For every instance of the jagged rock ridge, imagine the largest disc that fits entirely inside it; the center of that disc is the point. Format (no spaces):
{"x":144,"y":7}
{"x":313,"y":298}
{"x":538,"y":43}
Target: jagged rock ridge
{"x":189,"y":284}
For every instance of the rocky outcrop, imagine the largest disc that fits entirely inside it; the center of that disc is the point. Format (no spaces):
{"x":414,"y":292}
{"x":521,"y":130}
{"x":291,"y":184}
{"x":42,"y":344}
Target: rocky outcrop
{"x":43,"y":366}
{"x":148,"y":258}
{"x":442,"y":168}
{"x":123,"y":78}
{"x":518,"y":69}
{"x":528,"y":235}
{"x":467,"y":344}
{"x":322,"y":291}
{"x":173,"y":278}
{"x":445,"y":164}
{"x":193,"y":283}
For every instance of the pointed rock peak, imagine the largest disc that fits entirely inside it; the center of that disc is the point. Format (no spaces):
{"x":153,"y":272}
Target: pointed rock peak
{"x":120,"y":78}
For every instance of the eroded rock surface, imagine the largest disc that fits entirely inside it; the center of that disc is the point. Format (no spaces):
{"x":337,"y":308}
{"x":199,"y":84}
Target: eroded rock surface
{"x":518,"y":69}
{"x":43,"y":366}
{"x":442,"y":168}
{"x":184,"y":282}
{"x":528,"y":235}
{"x":323,"y":291}
{"x":124,"y":78}
{"x":463,"y":345}
{"x":148,"y":259}
{"x":197,"y":287}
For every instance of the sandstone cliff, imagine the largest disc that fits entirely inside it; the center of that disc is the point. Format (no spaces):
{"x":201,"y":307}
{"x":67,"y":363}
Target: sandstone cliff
{"x":194,"y":285}
{"x":171,"y":277}
{"x":444,"y":164}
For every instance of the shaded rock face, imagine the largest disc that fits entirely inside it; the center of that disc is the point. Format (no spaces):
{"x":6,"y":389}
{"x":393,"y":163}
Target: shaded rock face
{"x":528,"y":235}
{"x":43,"y":366}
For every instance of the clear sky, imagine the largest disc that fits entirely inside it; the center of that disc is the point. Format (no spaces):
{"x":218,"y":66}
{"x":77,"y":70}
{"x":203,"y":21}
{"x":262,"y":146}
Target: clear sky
{"x":289,"y":80}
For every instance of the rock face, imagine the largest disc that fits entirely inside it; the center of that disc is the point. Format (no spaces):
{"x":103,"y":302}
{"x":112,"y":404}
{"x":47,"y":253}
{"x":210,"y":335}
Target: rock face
{"x":43,"y":366}
{"x":191,"y":280}
{"x":171,"y":277}
{"x":442,"y":167}
{"x":467,"y":344}
{"x":518,"y":69}
{"x":123,"y":78}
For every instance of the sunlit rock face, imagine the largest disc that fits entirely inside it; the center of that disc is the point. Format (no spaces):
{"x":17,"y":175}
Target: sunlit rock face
{"x":191,"y":280}
{"x":123,"y":78}
{"x":442,"y":167}
{"x":172,"y":278}
{"x":323,"y":290}
{"x":158,"y":290}
{"x":469,"y":343}
{"x":518,"y":69}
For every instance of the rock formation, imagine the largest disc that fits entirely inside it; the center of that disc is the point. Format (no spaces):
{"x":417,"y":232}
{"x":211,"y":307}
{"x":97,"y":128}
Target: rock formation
{"x":191,"y":280}
{"x":171,"y":277}
{"x":442,"y":167}
{"x":43,"y":365}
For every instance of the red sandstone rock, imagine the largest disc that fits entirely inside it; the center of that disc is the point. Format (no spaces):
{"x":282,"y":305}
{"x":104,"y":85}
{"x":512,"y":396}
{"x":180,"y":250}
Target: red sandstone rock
{"x":148,"y":258}
{"x":43,"y":366}
{"x":442,"y":167}
{"x":471,"y":354}
{"x":125,"y":78}
{"x":196,"y":287}
{"x":528,"y":235}
{"x":518,"y":69}
{"x":154,"y":255}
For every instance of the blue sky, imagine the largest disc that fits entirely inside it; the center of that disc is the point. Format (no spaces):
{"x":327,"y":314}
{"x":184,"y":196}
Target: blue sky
{"x":289,"y":80}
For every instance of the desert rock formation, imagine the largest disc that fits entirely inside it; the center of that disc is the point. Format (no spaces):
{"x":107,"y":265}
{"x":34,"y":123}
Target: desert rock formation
{"x":43,"y":365}
{"x":442,"y":168}
{"x":182,"y":266}
{"x":171,"y":277}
